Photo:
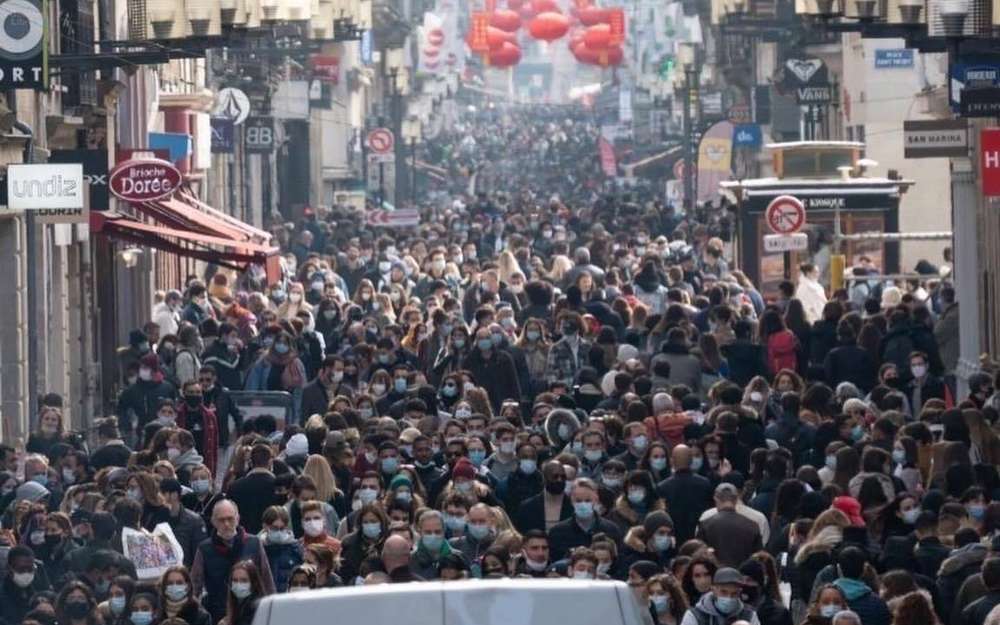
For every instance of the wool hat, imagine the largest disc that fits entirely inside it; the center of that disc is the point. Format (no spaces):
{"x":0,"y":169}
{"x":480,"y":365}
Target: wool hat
{"x":463,"y":468}
{"x":655,"y":520}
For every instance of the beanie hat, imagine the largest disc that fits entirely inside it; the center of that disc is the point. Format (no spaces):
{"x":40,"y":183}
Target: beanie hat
{"x":150,"y":360}
{"x":32,"y":491}
{"x":851,"y":507}
{"x":298,"y":445}
{"x":400,"y":480}
{"x":463,"y":468}
{"x":655,"y":520}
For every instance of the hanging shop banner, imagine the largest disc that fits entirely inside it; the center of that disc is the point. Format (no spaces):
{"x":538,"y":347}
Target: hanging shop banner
{"x":258,"y":135}
{"x":989,"y":149}
{"x":935,"y":138}
{"x":608,"y":162}
{"x":95,"y":173}
{"x":748,"y":136}
{"x":24,"y":57}
{"x":715,"y":158}
{"x":804,"y":73}
{"x":222,"y":136}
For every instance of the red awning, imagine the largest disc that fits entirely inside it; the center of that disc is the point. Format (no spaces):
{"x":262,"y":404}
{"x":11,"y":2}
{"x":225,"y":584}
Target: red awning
{"x":255,"y":234}
{"x":181,"y":215}
{"x":207,"y":247}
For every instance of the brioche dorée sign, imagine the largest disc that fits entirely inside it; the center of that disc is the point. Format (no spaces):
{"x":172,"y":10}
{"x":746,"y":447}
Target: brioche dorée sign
{"x":144,"y":180}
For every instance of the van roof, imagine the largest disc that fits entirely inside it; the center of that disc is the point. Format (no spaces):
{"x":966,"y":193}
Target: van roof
{"x":478,"y":602}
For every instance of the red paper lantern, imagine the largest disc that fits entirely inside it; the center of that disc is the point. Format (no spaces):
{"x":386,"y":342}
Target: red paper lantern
{"x":597,"y":37}
{"x":435,"y":36}
{"x":506,"y":20}
{"x":494,"y":38}
{"x":507,"y":55}
{"x":545,"y":6}
{"x":598,"y":56}
{"x":548,"y":26}
{"x":590,"y":16}
{"x":431,"y":52}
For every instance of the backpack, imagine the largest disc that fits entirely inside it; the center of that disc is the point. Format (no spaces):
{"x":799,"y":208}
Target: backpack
{"x":782,"y":351}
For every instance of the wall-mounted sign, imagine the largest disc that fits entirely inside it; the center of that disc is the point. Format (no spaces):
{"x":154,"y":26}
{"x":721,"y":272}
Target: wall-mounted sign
{"x":222,"y":136}
{"x":804,"y":72}
{"x":972,"y":73}
{"x":95,"y":173}
{"x":894,"y":58}
{"x":983,"y":102}
{"x":935,"y":138}
{"x":144,"y":180}
{"x":48,"y":186}
{"x":232,"y":104}
{"x":258,"y":135}
{"x":325,"y":67}
{"x":747,"y":136}
{"x":814,"y":95}
{"x":989,"y":148}
{"x":24,"y":60}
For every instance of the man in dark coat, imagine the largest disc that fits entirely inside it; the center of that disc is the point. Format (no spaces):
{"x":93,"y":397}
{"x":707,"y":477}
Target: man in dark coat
{"x":493,"y":369}
{"x":732,"y":536}
{"x":579,"y":530}
{"x":686,"y":494}
{"x":25,"y":577}
{"x":975,"y":613}
{"x":138,"y":403}
{"x":532,"y":513}
{"x":254,"y":492}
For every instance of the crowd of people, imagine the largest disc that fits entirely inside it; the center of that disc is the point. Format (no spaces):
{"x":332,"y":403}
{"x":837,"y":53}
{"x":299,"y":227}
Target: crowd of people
{"x":529,"y":384}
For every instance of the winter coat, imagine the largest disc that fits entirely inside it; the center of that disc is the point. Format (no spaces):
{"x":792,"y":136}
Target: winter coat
{"x":686,"y":495}
{"x":815,"y":555}
{"x":684,"y":367}
{"x":946,"y":335}
{"x":138,"y":403}
{"x":822,"y":339}
{"x":283,"y":558}
{"x":868,"y":605}
{"x":746,"y":361}
{"x":562,"y":366}
{"x":849,"y":363}
{"x":962,"y":563}
{"x":496,"y":374}
{"x":782,"y":351}
{"x":704,"y":612}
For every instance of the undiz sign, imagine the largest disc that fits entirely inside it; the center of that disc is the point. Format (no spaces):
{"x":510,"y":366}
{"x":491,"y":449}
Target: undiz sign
{"x":144,"y":180}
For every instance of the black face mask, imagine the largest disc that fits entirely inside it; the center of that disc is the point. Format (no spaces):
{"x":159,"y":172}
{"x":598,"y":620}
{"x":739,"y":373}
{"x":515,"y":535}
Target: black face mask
{"x":556,"y":488}
{"x":76,"y":609}
{"x":193,"y":401}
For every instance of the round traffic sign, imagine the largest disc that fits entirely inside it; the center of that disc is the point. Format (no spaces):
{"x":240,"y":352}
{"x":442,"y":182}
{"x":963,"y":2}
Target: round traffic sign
{"x":785,"y":214}
{"x":380,"y":141}
{"x":232,"y":104}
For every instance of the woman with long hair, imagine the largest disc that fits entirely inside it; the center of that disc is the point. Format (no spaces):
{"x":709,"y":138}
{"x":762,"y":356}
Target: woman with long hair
{"x":797,"y":322}
{"x":667,"y":599}
{"x":144,"y":489}
{"x":535,"y":345}
{"x":829,"y":600}
{"x":326,"y":562}
{"x":713,"y":366}
{"x":177,"y":600}
{"x":120,"y":591}
{"x":698,"y":576}
{"x":245,"y":592}
{"x":318,"y":468}
{"x":782,"y":345}
{"x":817,"y":552}
{"x":76,"y":605}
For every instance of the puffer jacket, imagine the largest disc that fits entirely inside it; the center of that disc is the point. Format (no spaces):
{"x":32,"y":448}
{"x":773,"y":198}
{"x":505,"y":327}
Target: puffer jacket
{"x":963,"y":562}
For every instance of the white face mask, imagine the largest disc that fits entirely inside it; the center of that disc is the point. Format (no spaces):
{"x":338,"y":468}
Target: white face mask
{"x":313,"y":527}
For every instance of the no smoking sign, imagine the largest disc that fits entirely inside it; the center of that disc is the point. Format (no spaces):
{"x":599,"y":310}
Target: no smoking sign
{"x":785,"y":215}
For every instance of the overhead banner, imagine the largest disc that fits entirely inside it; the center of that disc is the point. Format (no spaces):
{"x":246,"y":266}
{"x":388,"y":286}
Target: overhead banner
{"x":24,"y":55}
{"x":715,"y":160}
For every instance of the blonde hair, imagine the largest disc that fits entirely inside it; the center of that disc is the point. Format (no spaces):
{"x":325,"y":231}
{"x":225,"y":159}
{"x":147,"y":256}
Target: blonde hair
{"x":507,"y":266}
{"x":319,"y":470}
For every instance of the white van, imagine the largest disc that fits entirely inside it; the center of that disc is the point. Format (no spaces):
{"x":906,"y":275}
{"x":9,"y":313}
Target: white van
{"x":476,"y":602}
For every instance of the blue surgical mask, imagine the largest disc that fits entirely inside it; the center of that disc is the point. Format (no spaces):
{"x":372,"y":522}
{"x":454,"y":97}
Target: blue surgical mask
{"x":496,"y":339}
{"x":40,"y":478}
{"x":432,"y":542}
{"x":458,"y":343}
{"x":583,"y":509}
{"x":663,"y":542}
{"x":829,"y":610}
{"x":528,"y":466}
{"x":141,"y":618}
{"x":281,"y":348}
{"x":910,"y":516}
{"x":449,"y":390}
{"x":371,"y":530}
{"x":478,"y":532}
{"x":116,"y":604}
{"x":533,"y":335}
{"x":636,"y":496}
{"x":485,"y":344}
{"x":977,"y":511}
{"x":404,"y":495}
{"x":477,"y":456}
{"x":389,"y":465}
{"x":831,"y":462}
{"x":727,"y":605}
{"x":898,"y":456}
{"x":661,"y":603}
{"x":696,"y":463}
{"x":857,"y":432}
{"x":399,"y":384}
{"x":658,"y":464}
{"x":454,"y":523}
{"x":593,"y":455}
{"x":201,"y":487}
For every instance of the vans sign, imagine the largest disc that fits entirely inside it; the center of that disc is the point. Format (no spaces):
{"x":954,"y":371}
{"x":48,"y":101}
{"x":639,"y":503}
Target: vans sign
{"x":39,"y":187}
{"x":144,"y":180}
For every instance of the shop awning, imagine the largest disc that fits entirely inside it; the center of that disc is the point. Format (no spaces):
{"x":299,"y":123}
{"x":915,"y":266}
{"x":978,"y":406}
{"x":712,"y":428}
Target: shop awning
{"x":255,"y":234}
{"x":221,"y":250}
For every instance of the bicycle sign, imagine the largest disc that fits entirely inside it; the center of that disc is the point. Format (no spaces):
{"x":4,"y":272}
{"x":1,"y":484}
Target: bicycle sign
{"x":785,"y":214}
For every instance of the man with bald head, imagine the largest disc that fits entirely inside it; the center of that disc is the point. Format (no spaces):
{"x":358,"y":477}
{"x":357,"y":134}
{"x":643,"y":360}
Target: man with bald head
{"x":396,"y":560}
{"x":686,"y":493}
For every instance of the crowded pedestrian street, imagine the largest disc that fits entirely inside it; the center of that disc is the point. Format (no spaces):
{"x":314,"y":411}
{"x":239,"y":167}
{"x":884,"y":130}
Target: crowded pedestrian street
{"x":641,"y":299}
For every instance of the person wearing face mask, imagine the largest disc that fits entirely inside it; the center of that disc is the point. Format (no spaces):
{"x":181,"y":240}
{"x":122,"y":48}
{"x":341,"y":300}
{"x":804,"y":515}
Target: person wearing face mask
{"x":279,"y":369}
{"x":586,"y":521}
{"x":493,"y":368}
{"x":314,"y":527}
{"x":650,"y":538}
{"x":201,"y":421}
{"x":188,"y":527}
{"x":722,"y":605}
{"x":431,"y":545}
{"x":923,"y":385}
{"x":329,"y":383}
{"x":138,"y":403}
{"x":570,"y":353}
{"x":525,"y":481}
{"x":295,"y":303}
{"x":551,"y":506}
{"x":480,"y":531}
{"x":226,"y":357}
{"x":198,"y":308}
{"x":120,"y":591}
{"x":246,"y":589}
{"x":176,"y":600}
{"x":229,"y":542}
{"x":75,"y":605}
{"x":24,"y":577}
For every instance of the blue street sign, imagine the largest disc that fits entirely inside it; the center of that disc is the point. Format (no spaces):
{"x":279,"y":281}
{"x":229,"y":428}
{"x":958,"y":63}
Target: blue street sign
{"x":972,"y":73}
{"x":894,"y":58}
{"x":747,"y":136}
{"x":366,"y":47}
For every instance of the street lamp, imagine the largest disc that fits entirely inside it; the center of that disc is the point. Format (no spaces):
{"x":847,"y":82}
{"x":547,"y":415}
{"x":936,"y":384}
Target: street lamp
{"x":395,"y":65}
{"x":687,"y":57}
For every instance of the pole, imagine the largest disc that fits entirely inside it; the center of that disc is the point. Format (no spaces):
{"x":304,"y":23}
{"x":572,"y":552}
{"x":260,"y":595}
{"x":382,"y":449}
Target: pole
{"x":381,"y":185}
{"x":688,"y":186}
{"x":787,"y":262}
{"x":413,"y":171}
{"x":31,"y":274}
